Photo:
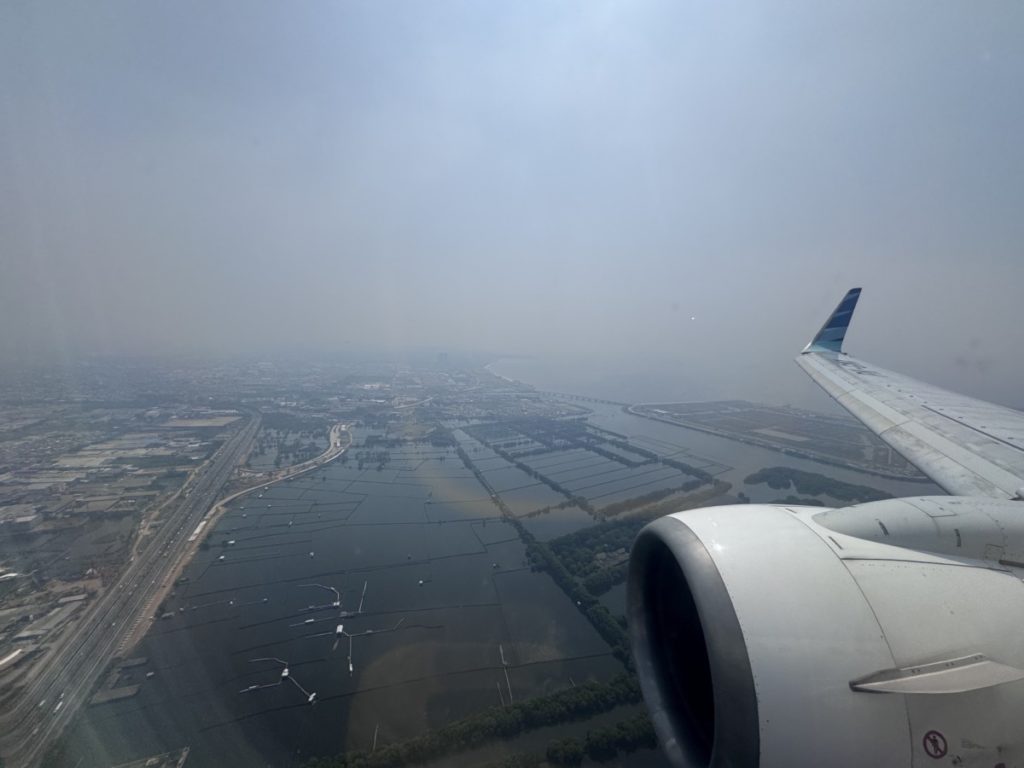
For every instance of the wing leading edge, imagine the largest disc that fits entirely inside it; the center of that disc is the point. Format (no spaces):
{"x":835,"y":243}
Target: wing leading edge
{"x":967,"y":446}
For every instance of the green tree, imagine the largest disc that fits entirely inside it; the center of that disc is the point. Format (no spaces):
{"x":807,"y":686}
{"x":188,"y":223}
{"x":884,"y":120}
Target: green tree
{"x":565,"y":752}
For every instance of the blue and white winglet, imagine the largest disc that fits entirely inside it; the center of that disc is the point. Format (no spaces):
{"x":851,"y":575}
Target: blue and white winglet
{"x":967,"y":446}
{"x":832,"y":334}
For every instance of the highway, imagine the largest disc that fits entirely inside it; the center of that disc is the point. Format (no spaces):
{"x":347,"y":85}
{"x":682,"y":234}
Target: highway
{"x":67,"y":678}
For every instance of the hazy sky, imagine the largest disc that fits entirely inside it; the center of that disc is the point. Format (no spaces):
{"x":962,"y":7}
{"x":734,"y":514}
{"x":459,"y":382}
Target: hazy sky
{"x":563,"y":179}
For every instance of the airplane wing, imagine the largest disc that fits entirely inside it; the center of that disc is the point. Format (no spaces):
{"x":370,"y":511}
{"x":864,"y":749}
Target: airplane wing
{"x":967,"y":446}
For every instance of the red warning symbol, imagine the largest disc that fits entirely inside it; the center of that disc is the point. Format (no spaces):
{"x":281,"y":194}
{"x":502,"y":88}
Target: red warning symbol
{"x":935,"y":744}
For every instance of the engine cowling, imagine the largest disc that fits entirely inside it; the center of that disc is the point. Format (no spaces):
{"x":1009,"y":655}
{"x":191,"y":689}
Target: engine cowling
{"x":760,"y":637}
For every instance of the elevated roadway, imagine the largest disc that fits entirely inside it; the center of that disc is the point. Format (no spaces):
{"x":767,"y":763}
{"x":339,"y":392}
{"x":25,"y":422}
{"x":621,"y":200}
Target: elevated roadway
{"x":50,"y":700}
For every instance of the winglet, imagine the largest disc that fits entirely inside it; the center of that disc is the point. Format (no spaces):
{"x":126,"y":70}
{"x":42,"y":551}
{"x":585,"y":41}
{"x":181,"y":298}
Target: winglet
{"x":830,"y":337}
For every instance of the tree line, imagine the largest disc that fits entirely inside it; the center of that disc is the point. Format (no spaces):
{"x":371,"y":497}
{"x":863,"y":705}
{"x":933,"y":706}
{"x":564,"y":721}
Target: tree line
{"x":782,"y":478}
{"x":578,"y":703}
{"x":577,"y":550}
{"x":542,"y":558}
{"x":605,"y":743}
{"x":618,"y":507}
{"x":611,"y":631}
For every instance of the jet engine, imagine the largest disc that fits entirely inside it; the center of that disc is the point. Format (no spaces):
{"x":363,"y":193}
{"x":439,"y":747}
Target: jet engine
{"x":882,"y":634}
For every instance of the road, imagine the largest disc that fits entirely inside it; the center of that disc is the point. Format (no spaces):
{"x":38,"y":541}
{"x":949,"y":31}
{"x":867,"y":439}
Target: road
{"x":336,"y":447}
{"x":51,"y":700}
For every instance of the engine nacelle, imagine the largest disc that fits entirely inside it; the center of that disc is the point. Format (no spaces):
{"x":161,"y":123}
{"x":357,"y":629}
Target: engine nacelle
{"x":763,"y":638}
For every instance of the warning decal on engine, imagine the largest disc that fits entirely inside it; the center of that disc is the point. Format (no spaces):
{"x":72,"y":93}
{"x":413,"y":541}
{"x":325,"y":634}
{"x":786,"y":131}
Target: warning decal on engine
{"x":935,"y":744}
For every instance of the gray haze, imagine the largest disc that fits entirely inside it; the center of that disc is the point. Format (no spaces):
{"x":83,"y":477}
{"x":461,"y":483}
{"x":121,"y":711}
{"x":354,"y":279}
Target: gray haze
{"x":569,"y":180}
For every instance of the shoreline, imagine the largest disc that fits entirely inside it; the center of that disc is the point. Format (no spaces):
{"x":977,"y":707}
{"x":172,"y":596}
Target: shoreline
{"x":487,"y":368}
